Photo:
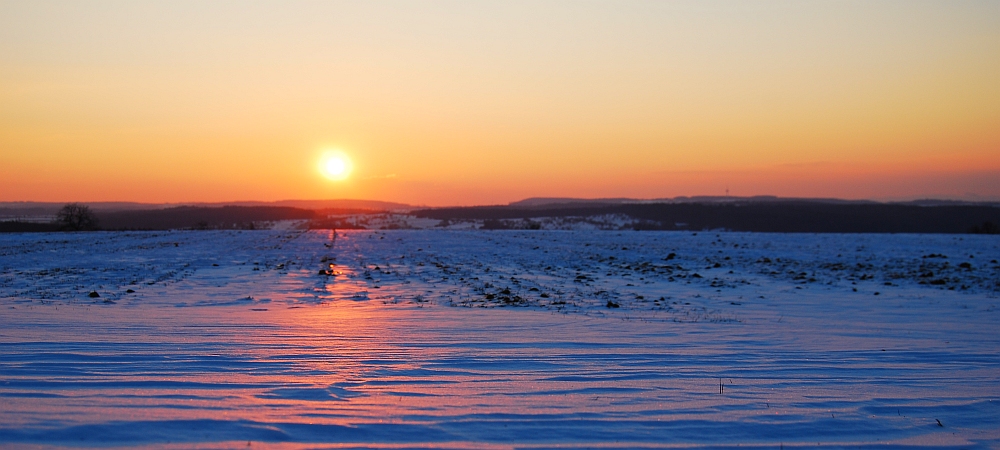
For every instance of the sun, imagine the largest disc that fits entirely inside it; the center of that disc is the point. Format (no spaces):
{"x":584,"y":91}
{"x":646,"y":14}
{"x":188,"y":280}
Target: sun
{"x":335,"y":165}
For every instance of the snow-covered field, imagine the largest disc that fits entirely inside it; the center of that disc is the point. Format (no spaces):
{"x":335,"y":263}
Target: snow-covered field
{"x":447,"y":338}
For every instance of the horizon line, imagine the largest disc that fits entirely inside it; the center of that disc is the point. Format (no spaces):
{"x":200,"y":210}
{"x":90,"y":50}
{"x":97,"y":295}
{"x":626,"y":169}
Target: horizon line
{"x":546,"y":200}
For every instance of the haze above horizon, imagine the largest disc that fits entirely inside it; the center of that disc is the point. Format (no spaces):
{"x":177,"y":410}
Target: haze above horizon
{"x":461,"y":103}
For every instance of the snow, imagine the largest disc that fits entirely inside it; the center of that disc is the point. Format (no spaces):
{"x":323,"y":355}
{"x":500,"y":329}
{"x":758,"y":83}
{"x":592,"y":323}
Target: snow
{"x":467,"y":338}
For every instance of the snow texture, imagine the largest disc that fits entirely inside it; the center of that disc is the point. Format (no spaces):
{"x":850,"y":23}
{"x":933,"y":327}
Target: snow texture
{"x":466,"y":338}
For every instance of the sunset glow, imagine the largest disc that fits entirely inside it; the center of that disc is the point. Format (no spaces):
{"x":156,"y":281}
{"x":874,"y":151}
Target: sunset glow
{"x":452,"y":103}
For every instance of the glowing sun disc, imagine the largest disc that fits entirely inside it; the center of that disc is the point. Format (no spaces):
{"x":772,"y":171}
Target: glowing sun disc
{"x":335,"y":165}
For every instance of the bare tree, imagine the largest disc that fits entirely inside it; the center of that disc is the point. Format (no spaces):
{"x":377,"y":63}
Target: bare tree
{"x":76,"y":217}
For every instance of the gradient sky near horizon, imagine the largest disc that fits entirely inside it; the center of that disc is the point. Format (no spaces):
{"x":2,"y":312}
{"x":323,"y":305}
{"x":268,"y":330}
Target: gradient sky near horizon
{"x":473,"y":102}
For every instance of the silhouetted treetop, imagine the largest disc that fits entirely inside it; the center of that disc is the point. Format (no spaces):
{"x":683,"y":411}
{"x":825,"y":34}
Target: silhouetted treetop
{"x":76,"y":217}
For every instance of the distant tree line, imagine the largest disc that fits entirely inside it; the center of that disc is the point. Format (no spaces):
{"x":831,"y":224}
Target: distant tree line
{"x":985,"y":228}
{"x":789,"y":217}
{"x":202,"y":218}
{"x":78,"y":217}
{"x":71,"y":217}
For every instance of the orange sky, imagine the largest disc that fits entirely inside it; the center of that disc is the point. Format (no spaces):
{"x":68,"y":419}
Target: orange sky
{"x":463,"y":102}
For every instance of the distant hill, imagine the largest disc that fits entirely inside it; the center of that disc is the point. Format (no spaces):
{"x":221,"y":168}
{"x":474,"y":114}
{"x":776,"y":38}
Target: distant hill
{"x":50,"y":208}
{"x":759,"y":214}
{"x":197,"y":217}
{"x":38,"y":216}
{"x":10,"y":209}
{"x":330,"y":204}
{"x":536,"y":202}
{"x":789,"y":215}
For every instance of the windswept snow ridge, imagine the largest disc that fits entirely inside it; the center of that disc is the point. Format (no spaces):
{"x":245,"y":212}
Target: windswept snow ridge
{"x":452,"y":338}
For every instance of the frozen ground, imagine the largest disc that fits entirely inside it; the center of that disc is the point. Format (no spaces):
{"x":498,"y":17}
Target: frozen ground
{"x":509,"y":339}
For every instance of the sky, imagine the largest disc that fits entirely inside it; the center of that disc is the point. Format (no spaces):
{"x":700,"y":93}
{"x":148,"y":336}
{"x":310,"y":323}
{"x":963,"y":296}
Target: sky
{"x":472,"y":102}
